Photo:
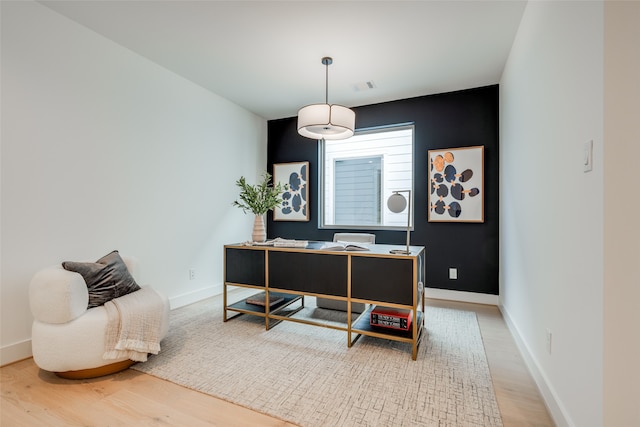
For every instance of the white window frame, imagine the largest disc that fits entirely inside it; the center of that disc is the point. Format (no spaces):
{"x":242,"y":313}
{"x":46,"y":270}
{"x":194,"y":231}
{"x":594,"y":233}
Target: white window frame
{"x":390,"y":220}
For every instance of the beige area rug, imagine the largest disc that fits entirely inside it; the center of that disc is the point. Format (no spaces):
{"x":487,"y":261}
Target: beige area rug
{"x":308,"y":375}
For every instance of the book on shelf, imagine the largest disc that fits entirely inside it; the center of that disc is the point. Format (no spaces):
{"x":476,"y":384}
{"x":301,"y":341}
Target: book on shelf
{"x":392,"y":318}
{"x":259,"y":299}
{"x":345,"y":246}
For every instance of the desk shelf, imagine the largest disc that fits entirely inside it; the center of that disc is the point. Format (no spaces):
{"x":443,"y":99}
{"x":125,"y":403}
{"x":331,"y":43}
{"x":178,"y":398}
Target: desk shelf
{"x":244,"y":307}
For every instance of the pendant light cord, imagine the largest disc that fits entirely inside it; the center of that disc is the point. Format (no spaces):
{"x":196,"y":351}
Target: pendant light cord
{"x":326,"y":83}
{"x":326,"y":61}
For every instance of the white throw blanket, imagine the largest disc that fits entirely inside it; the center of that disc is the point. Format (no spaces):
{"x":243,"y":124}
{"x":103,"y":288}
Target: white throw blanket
{"x":134,"y":322}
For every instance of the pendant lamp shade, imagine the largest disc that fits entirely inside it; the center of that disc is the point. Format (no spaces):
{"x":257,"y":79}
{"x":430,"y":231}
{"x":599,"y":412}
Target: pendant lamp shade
{"x":326,"y":121}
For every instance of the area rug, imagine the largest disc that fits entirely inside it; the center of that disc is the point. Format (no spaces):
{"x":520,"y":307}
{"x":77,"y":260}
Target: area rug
{"x":307,"y":375}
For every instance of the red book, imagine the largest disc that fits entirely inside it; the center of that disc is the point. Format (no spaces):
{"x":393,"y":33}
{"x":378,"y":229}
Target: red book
{"x":392,"y":318}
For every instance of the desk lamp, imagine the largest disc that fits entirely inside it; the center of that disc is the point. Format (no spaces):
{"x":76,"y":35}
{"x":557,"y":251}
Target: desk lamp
{"x":396,"y":204}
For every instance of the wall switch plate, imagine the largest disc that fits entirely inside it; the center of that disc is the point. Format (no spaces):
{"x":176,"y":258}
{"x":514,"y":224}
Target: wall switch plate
{"x":453,"y":273}
{"x":549,"y":340}
{"x":192,"y":274}
{"x":587,"y":156}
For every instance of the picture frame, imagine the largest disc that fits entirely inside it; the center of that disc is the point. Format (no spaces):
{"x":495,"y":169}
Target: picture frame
{"x":456,"y":184}
{"x":295,"y":199}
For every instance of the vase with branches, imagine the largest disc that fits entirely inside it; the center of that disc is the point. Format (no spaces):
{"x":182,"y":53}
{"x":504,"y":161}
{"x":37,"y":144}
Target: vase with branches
{"x":259,"y":199}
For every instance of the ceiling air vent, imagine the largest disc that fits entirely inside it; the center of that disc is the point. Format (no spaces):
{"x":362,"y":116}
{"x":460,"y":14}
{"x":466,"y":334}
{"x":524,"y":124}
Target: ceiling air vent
{"x":359,"y":87}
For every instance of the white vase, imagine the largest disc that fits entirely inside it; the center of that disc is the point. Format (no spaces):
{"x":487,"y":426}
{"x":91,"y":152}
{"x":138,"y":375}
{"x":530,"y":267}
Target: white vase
{"x":259,"y":231}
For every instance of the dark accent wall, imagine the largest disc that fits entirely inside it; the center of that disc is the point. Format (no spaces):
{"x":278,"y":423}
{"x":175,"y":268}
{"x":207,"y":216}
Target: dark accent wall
{"x":449,"y":120}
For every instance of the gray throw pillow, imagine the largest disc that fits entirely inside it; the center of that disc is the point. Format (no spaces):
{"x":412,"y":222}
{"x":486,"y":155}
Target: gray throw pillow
{"x":106,"y":279}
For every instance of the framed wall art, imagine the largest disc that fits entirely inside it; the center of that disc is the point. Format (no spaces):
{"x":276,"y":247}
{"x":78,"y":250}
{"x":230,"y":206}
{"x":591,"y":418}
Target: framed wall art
{"x":456,"y":185}
{"x":295,"y":205}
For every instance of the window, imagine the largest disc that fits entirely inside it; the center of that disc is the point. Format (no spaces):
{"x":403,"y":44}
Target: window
{"x":359,"y":174}
{"x":357,"y":184}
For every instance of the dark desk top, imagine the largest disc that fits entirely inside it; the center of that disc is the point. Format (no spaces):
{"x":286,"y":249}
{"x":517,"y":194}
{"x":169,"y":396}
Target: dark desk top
{"x":316,"y":246}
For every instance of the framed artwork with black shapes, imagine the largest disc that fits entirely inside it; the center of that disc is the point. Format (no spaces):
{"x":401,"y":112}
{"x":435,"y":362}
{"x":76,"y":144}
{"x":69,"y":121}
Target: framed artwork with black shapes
{"x":456,"y":185}
{"x":295,"y":198}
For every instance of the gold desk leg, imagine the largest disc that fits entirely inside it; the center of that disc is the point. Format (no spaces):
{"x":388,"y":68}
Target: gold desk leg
{"x":354,"y":340}
{"x":266,"y":313}
{"x":224,"y":303}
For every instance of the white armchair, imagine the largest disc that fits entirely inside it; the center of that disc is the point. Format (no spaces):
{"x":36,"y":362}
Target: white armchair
{"x":67,"y":337}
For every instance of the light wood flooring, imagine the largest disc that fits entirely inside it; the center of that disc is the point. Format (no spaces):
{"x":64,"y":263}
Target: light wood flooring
{"x":32,"y":397}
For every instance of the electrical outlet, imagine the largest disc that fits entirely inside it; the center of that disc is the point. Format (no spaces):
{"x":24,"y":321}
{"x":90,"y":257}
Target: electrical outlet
{"x":192,"y":274}
{"x":549,"y":340}
{"x":453,"y":273}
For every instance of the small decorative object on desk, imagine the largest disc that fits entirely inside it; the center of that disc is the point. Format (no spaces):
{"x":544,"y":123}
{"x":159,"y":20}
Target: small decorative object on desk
{"x":259,"y":299}
{"x":265,"y":243}
{"x":279,"y":242}
{"x":345,"y":246}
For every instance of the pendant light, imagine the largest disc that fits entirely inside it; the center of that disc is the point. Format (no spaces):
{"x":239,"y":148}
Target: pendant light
{"x":325,"y":121}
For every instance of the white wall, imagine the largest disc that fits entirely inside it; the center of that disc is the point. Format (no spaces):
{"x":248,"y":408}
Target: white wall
{"x":551,"y":212}
{"x":103,"y":149}
{"x":621,"y":207}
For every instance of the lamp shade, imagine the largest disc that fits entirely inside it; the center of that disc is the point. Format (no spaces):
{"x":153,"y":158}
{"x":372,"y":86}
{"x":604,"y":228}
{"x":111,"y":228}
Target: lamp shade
{"x":396,"y":203}
{"x":324,"y":121}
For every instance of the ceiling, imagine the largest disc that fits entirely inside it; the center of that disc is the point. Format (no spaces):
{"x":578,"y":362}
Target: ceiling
{"x":266,"y":55}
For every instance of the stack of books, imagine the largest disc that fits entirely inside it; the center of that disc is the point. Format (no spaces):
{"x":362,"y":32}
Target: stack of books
{"x":259,"y":299}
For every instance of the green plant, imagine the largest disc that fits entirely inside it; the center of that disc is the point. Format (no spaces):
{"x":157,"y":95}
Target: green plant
{"x":259,"y":198}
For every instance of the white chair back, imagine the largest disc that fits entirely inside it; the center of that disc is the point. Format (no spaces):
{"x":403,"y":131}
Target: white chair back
{"x":354,"y":237}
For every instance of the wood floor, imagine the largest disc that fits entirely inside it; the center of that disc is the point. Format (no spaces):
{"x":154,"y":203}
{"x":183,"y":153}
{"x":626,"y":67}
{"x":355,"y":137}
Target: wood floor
{"x":32,"y":397}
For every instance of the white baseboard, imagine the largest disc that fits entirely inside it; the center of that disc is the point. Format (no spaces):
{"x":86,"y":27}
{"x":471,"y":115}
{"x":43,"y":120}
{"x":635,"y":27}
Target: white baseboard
{"x":462,"y":296}
{"x":554,"y":406}
{"x":15,"y":352}
{"x":195,"y":296}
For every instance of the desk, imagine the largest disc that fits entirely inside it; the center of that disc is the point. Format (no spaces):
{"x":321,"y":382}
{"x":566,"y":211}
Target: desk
{"x":374,"y":277}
